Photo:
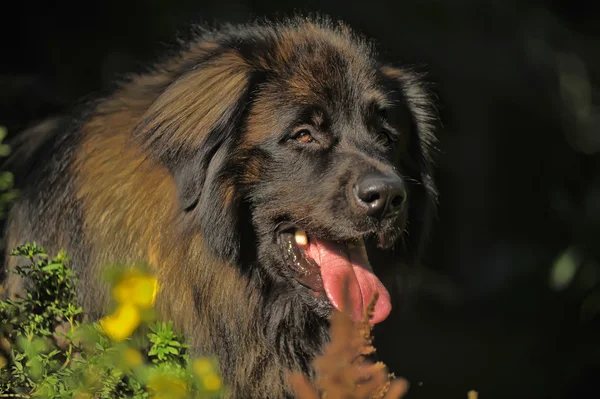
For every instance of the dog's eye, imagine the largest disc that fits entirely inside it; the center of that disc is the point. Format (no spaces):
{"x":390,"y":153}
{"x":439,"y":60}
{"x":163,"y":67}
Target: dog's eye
{"x":383,"y":138}
{"x":303,"y":136}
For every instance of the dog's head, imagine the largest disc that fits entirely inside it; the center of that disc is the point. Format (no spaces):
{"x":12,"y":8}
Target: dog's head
{"x":294,"y":149}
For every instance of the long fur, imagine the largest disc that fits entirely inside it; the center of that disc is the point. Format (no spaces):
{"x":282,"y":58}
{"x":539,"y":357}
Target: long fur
{"x":179,"y":167}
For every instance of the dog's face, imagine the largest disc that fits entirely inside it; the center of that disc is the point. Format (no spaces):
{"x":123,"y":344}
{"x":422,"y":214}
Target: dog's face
{"x":333,"y":171}
{"x":318,"y":152}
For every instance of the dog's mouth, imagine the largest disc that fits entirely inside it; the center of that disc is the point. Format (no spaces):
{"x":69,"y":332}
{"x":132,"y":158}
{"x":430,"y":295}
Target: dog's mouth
{"x":328,"y":268}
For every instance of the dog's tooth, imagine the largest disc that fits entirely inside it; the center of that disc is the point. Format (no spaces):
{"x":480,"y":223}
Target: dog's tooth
{"x":301,"y":238}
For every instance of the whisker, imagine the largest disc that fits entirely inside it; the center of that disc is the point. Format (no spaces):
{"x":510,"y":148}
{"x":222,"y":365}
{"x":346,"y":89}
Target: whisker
{"x":412,"y":180}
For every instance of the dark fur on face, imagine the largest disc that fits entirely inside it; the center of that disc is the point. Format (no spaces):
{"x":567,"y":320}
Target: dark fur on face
{"x":210,"y":165}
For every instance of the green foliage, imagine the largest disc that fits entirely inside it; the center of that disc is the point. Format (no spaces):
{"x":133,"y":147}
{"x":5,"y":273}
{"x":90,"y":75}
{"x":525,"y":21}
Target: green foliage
{"x":49,"y":352}
{"x":7,"y":193}
{"x":166,"y":346}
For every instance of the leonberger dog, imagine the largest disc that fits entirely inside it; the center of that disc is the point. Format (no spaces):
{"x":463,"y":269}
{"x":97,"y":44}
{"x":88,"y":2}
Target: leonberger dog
{"x":257,"y":169}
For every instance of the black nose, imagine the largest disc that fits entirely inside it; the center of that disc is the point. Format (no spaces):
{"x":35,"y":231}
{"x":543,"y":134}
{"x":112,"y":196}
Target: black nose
{"x":380,"y":194}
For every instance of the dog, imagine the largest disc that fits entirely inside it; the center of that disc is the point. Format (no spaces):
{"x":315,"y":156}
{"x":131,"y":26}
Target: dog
{"x":258,"y":169}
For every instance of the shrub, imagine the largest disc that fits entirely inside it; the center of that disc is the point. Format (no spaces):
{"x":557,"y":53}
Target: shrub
{"x":50,"y":352}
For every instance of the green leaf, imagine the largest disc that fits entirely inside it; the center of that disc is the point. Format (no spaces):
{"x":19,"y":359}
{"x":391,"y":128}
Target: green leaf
{"x":52,"y":267}
{"x":564,"y":269}
{"x":172,"y":350}
{"x":4,"y":150}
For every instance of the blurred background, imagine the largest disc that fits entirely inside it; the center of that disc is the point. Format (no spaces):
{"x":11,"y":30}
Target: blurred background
{"x":508,"y":300}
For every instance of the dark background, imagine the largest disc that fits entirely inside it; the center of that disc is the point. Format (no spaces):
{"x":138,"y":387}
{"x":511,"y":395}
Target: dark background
{"x":508,"y":302}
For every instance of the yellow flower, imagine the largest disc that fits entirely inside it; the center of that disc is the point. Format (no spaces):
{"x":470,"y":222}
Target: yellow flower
{"x":203,"y":366}
{"x":132,"y":357}
{"x":171,"y":387}
{"x":122,"y":323}
{"x":136,"y":288}
{"x":212,"y":382}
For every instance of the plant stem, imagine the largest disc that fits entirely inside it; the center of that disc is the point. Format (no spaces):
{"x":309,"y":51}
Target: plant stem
{"x":70,"y":350}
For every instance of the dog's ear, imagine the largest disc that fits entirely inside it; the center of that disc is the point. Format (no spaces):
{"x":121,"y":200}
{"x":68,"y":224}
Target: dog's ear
{"x":192,"y":128}
{"x":410,"y":91}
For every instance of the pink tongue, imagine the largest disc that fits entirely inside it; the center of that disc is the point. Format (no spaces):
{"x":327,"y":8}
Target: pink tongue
{"x":341,"y":266}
